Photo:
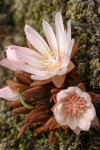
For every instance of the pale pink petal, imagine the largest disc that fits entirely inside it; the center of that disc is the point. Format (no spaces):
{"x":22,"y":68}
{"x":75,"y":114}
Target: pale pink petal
{"x":83,"y":123}
{"x":61,"y":95}
{"x":8,"y":94}
{"x":69,"y":49}
{"x":32,"y":70}
{"x":27,"y":51}
{"x":31,"y":31}
{"x":59,"y":22}
{"x":65,"y":61}
{"x":13,"y":65}
{"x":60,"y":34}
{"x":70,"y":90}
{"x":25,"y":58}
{"x":59,"y":113}
{"x":11,"y":55}
{"x":50,"y":36}
{"x":70,"y":122}
{"x":90,"y":113}
{"x":85,"y":95}
{"x":42,"y":77}
{"x":69,"y":30}
{"x":36,"y":42}
{"x":67,"y":36}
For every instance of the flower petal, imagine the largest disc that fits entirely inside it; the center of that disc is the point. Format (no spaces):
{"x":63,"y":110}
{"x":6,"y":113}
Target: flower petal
{"x":61,"y":95}
{"x":11,"y":55}
{"x":43,"y":77}
{"x":67,"y":35}
{"x":83,"y":123}
{"x":70,"y":122}
{"x":13,"y":65}
{"x":35,"y":40}
{"x":8,"y":94}
{"x":85,"y":95}
{"x":25,"y":58}
{"x":90,"y":113}
{"x":69,"y":48}
{"x":60,"y":34}
{"x":65,"y":61}
{"x":59,"y":114}
{"x":30,"y":30}
{"x":32,"y":70}
{"x":27,"y":51}
{"x":50,"y":36}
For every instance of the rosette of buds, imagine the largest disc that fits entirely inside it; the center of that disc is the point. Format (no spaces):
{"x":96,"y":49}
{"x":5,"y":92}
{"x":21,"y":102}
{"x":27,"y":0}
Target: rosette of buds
{"x":46,"y":89}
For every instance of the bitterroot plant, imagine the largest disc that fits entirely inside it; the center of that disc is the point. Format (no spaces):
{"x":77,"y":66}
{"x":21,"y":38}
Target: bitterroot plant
{"x":46,"y":89}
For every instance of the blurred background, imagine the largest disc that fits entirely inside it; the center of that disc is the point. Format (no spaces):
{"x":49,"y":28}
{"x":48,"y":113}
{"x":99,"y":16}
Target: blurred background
{"x":14,"y":14}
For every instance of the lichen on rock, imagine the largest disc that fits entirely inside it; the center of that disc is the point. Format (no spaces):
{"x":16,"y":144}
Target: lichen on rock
{"x":85,"y":28}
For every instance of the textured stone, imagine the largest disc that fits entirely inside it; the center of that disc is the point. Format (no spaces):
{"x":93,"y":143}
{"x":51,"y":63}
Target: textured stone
{"x":14,"y":14}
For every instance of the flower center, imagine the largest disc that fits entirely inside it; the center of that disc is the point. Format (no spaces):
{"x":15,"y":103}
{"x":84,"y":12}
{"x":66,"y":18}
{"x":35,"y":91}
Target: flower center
{"x":52,"y":62}
{"x":74,"y":105}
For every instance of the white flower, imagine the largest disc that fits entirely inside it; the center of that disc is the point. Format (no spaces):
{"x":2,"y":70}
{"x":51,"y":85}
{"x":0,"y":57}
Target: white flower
{"x":9,"y":94}
{"x":45,"y":60}
{"x":74,"y":109}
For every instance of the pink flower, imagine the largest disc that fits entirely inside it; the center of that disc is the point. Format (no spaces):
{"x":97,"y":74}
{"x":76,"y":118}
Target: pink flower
{"x":74,"y":109}
{"x":9,"y":94}
{"x":45,"y":60}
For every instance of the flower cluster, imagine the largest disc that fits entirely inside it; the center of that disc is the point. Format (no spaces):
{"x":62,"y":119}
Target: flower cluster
{"x":40,"y":90}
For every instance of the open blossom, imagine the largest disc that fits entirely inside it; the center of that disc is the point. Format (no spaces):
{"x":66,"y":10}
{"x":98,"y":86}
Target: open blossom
{"x":9,"y":94}
{"x":74,"y":109}
{"x":44,"y":60}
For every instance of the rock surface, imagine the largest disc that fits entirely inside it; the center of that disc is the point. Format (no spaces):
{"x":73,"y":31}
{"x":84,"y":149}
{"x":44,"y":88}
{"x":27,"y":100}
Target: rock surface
{"x":85,"y":28}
